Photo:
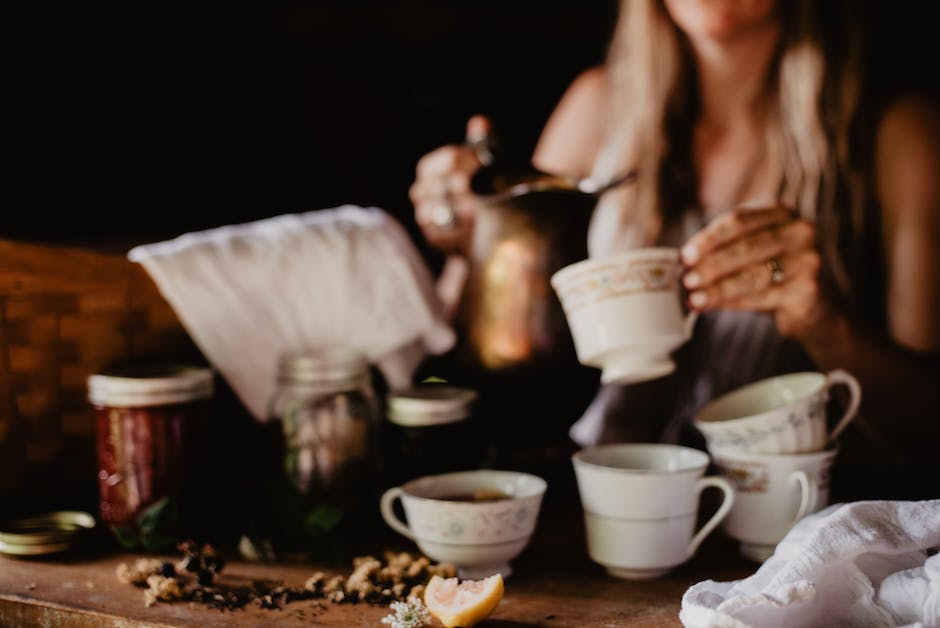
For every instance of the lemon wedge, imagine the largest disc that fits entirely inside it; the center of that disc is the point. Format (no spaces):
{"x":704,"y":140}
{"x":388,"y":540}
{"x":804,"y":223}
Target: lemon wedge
{"x":463,"y":604}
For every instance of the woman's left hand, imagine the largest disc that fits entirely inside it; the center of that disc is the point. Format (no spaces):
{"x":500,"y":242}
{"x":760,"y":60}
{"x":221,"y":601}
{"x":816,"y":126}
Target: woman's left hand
{"x":761,"y":258}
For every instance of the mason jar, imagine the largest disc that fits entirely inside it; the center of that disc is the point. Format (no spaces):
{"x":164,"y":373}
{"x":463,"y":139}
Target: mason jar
{"x":326,"y":407}
{"x":431,"y":430}
{"x":152,"y":437}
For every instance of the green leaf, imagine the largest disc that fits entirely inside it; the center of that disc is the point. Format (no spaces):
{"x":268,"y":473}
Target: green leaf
{"x":157,"y":542}
{"x":322,"y":519}
{"x":161,"y":516}
{"x":126,"y":536}
{"x":433,"y":379}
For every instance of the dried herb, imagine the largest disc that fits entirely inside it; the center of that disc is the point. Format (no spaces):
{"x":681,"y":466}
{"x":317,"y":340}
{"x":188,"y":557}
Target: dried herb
{"x":400,"y":576}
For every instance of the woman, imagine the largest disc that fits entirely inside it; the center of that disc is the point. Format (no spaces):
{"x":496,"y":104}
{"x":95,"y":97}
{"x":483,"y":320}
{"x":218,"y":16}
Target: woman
{"x":807,"y":219}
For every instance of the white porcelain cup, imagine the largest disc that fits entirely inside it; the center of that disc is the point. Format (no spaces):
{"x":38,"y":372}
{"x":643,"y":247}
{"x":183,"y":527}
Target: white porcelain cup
{"x":641,"y":503}
{"x":625,"y":312}
{"x":778,"y":415}
{"x":480,"y":538}
{"x":772,"y":493}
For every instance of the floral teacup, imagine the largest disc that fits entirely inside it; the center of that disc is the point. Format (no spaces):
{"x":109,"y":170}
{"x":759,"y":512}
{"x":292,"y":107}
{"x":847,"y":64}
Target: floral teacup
{"x":625,"y":312}
{"x":779,"y":415}
{"x":476,"y":520}
{"x":772,"y":493}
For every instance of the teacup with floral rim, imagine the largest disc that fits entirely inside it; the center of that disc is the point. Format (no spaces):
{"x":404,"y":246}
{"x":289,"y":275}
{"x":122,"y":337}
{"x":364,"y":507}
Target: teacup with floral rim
{"x":625,"y":312}
{"x":779,"y":415}
{"x":479,"y":537}
{"x":772,"y":493}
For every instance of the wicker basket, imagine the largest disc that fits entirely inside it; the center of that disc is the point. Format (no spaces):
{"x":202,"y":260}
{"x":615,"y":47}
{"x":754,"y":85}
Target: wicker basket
{"x":65,"y":313}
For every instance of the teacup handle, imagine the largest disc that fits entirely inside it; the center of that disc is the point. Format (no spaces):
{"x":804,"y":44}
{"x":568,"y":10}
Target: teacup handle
{"x":834,"y":378}
{"x":726,"y":503}
{"x":809,"y":494}
{"x":388,"y":513}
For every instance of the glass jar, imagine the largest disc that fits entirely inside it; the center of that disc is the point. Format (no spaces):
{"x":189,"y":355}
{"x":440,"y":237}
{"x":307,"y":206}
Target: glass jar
{"x":152,"y":427}
{"x":431,"y":431}
{"x":325,"y":404}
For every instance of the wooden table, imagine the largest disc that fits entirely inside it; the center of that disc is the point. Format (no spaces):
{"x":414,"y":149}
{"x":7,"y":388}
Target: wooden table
{"x":554,"y":584}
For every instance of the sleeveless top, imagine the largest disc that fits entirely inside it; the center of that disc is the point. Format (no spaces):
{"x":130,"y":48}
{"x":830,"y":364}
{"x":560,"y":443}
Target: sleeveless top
{"x":728,"y":349}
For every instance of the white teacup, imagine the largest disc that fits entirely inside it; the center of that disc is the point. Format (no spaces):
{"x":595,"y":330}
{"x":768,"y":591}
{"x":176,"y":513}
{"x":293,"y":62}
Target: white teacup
{"x":641,"y":503}
{"x":772,"y":493}
{"x":779,"y":415}
{"x":625,"y":312}
{"x":479,"y":537}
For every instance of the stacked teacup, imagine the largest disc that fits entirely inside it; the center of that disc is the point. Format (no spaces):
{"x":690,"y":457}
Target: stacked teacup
{"x":771,"y":440}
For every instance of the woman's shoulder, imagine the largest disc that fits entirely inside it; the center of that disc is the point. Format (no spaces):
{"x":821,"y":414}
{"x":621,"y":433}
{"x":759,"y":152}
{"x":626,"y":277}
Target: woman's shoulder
{"x":573,"y":133}
{"x":908,"y":117}
{"x":592,"y":81}
{"x":907,"y":152}
{"x":587,"y":93}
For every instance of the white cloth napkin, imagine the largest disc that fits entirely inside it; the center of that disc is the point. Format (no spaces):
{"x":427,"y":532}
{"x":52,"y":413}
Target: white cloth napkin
{"x":856,"y":564}
{"x":347,"y":277}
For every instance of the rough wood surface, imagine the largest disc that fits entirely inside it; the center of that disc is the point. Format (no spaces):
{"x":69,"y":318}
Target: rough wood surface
{"x":554,"y":585}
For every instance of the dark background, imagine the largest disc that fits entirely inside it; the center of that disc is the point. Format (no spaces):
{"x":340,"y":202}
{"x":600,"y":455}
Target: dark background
{"x":152,"y":120}
{"x":140,"y":122}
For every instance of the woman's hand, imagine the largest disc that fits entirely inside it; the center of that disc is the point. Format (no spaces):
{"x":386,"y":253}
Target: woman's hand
{"x":761,"y":259}
{"x":445,"y":206}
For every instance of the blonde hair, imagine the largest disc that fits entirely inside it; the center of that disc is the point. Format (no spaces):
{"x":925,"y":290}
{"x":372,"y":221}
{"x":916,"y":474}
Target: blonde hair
{"x":813,"y":93}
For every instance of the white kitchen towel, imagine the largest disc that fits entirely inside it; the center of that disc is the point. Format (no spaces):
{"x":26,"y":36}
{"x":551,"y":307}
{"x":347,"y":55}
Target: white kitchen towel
{"x":867,"y":563}
{"x":348,"y":277}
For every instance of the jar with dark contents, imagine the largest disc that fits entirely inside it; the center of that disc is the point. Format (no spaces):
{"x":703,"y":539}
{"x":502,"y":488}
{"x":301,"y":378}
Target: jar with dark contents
{"x":152,"y":437}
{"x":431,"y":430}
{"x":326,"y":407}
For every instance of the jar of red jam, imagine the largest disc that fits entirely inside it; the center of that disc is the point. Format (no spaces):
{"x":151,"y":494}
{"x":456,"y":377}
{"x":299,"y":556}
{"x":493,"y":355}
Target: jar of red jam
{"x":152,"y":423}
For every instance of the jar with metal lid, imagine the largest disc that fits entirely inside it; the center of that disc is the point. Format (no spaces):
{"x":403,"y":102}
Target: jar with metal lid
{"x":326,"y":406}
{"x":431,"y":431}
{"x":153,"y":437}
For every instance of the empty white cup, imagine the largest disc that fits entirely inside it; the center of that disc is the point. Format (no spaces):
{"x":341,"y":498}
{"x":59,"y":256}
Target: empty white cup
{"x":641,"y":504}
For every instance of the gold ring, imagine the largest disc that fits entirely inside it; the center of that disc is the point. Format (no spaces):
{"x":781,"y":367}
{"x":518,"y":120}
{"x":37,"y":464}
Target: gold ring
{"x":776,"y":271}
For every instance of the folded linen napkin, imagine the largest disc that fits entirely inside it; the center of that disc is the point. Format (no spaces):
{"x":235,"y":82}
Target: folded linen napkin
{"x":347,"y":277}
{"x":856,"y":564}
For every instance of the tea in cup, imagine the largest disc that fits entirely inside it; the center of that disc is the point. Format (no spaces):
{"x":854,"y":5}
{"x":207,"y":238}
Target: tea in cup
{"x":772,"y":493}
{"x":779,"y":415}
{"x":625,"y":312}
{"x":476,"y":520}
{"x":641,"y":505}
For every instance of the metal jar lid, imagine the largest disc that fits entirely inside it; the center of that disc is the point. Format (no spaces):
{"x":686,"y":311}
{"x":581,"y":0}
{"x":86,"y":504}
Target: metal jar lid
{"x":47,"y":533}
{"x":143,"y":385}
{"x":430,"y":405}
{"x":322,"y":365}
